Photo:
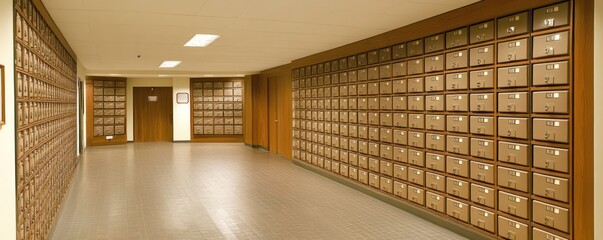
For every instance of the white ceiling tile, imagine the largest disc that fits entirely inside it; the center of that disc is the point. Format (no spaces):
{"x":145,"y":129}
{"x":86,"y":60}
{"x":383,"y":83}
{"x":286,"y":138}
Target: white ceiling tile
{"x":255,"y":34}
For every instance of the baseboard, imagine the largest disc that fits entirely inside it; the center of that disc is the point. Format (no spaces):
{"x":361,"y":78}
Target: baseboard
{"x":181,"y":141}
{"x":441,"y":221}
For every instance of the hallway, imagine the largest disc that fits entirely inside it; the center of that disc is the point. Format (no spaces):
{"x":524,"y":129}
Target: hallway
{"x":220,"y":191}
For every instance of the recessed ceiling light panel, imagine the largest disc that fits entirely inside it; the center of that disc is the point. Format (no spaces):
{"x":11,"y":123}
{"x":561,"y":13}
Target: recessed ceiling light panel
{"x":169,"y":64}
{"x":201,"y":40}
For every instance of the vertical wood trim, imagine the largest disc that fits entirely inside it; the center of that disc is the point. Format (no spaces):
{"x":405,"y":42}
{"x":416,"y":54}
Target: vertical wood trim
{"x":248,"y":110}
{"x":90,"y":112}
{"x":260,"y":115}
{"x":584,"y":120}
{"x":273,"y":123}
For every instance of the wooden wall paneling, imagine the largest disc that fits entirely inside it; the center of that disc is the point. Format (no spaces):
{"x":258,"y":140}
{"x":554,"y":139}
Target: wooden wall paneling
{"x":153,"y":120}
{"x":248,"y":110}
{"x":260,"y":112}
{"x":583,"y":147}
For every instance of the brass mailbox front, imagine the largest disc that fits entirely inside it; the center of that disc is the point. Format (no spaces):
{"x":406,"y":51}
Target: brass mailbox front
{"x":386,"y":119}
{"x":374,"y":180}
{"x":515,"y":153}
{"x":435,"y":181}
{"x":551,"y":187}
{"x":385,"y":87}
{"x":457,"y":81}
{"x":416,"y":103}
{"x":481,"y":79}
{"x":482,"y":148}
{"x":482,"y":102}
{"x":400,"y":172}
{"x":550,"y":102}
{"x":400,"y":119}
{"x":511,"y":51}
{"x":387,"y":185}
{"x":483,"y":195}
{"x":482,"y":172}
{"x":512,"y":230}
{"x":399,"y":51}
{"x":555,"y":159}
{"x":516,"y":76}
{"x":435,"y":202}
{"x":457,"y":102}
{"x":434,"y":63}
{"x":400,"y":103}
{"x":416,"y":85}
{"x":416,"y":121}
{"x":513,"y":179}
{"x":387,"y":152}
{"x":513,"y":127}
{"x":415,"y":48}
{"x":551,"y":130}
{"x":434,"y":43}
{"x":400,"y":189}
{"x":551,"y":16}
{"x":399,"y":69}
{"x":481,"y":32}
{"x":457,"y":123}
{"x":399,"y":86}
{"x":416,"y":139}
{"x":457,"y":210}
{"x":434,"y":83}
{"x":400,"y":137}
{"x":416,"y":195}
{"x":480,"y":56}
{"x":434,"y":103}
{"x":385,"y":54}
{"x":385,"y":103}
{"x":513,"y":204}
{"x":373,"y":57}
{"x":551,"y":216}
{"x":435,"y":162}
{"x":554,"y":44}
{"x":416,"y":176}
{"x":554,"y":73}
{"x":541,"y":234}
{"x":385,"y":71}
{"x":435,"y":122}
{"x":513,"y":25}
{"x":416,"y":157}
{"x":457,"y":188}
{"x":435,"y":142}
{"x":457,"y":166}
{"x":483,"y":219}
{"x":516,"y":102}
{"x":457,"y":38}
{"x":415,"y":66}
{"x":482,"y":125}
{"x":400,"y":154}
{"x":386,"y":168}
{"x":363,"y":176}
{"x":457,"y":144}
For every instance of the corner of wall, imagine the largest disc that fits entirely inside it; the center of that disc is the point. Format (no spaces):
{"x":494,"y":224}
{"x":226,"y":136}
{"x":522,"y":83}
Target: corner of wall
{"x":8,"y":222}
{"x":182,"y":112}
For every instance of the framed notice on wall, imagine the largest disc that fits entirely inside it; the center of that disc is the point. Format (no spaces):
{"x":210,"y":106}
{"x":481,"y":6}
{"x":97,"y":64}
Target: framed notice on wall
{"x":2,"y":113}
{"x":182,"y":98}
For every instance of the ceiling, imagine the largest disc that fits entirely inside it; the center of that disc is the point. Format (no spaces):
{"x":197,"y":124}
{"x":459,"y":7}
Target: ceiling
{"x":109,"y":35}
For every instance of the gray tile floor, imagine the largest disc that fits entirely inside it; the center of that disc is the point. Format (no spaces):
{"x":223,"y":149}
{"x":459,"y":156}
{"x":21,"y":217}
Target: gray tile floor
{"x":220,"y":191}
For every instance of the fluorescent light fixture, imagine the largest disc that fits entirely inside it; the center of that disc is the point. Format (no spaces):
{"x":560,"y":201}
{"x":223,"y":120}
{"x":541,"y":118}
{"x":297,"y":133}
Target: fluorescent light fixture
{"x":201,"y":40}
{"x":169,"y":64}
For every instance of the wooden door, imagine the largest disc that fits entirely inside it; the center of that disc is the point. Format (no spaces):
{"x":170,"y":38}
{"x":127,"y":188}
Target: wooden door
{"x":153,"y":114}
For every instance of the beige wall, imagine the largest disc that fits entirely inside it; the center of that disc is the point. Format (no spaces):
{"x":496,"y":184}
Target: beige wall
{"x":598,"y":119}
{"x":7,"y":131}
{"x":182,"y":112}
